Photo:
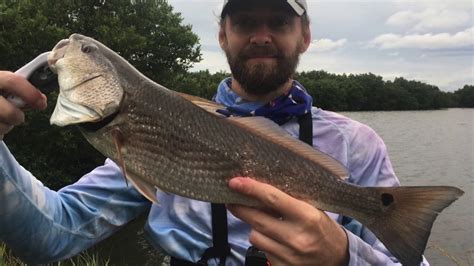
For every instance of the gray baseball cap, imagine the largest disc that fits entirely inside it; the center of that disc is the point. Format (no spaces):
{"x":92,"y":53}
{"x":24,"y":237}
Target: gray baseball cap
{"x":299,"y":6}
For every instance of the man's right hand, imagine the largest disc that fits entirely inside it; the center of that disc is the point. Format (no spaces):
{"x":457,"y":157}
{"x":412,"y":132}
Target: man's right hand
{"x":10,"y":115}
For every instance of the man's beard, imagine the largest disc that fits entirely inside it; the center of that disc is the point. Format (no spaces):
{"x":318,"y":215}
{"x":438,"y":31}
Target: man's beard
{"x":260,"y":79}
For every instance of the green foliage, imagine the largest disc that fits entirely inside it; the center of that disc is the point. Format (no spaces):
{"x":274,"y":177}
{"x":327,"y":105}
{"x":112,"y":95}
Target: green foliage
{"x":149,"y":34}
{"x":202,"y":83}
{"x":146,"y":33}
{"x":369,"y":92}
{"x":465,"y":96}
{"x":25,"y":32}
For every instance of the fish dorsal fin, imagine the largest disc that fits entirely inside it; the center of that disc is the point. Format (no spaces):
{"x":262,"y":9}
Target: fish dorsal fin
{"x":266,"y":128}
{"x":209,"y":106}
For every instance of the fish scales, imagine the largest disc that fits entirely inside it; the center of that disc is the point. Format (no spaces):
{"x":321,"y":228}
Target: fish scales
{"x":201,"y":156}
{"x":179,"y":144}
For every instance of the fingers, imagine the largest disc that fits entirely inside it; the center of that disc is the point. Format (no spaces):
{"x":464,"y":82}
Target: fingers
{"x":289,"y":230}
{"x":271,"y":197}
{"x":261,"y":221}
{"x":273,"y":249}
{"x":296,"y":235}
{"x":283,"y":215}
{"x":19,"y":86}
{"x":4,"y":129}
{"x":9,"y":115}
{"x":269,"y":233}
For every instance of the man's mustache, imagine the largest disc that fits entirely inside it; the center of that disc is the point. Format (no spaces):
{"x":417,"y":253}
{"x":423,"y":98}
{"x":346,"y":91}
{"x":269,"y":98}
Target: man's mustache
{"x":254,"y":51}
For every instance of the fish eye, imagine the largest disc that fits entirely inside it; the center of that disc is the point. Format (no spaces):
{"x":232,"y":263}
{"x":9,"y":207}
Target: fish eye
{"x":88,"y":48}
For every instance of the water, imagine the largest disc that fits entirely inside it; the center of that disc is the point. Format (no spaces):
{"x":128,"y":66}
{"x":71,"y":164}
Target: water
{"x":435,"y":148}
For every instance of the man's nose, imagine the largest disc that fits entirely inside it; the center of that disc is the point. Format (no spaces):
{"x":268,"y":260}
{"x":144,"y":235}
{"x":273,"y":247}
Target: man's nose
{"x":261,"y":35}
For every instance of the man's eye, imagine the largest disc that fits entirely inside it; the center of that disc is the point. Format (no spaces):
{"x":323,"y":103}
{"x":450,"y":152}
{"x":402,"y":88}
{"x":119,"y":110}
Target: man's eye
{"x":245,"y":24}
{"x":278,"y":23}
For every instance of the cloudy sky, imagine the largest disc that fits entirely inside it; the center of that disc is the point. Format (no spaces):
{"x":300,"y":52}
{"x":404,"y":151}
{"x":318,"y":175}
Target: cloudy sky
{"x":425,"y":40}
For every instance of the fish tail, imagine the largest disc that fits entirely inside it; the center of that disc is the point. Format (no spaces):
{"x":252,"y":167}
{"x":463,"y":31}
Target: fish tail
{"x":405,"y":225}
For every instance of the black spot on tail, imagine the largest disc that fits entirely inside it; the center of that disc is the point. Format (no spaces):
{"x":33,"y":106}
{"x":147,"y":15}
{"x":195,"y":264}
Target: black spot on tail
{"x":387,"y":199}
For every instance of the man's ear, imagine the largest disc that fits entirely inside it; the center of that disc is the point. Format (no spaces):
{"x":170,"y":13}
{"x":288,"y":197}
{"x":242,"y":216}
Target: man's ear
{"x":222,"y":36}
{"x":306,"y":38}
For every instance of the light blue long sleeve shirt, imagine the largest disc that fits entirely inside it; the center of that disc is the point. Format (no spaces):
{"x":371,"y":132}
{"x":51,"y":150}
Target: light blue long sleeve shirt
{"x":42,"y":225}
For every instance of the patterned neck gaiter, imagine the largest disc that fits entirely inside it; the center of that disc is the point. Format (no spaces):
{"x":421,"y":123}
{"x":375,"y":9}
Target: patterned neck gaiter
{"x":296,"y":102}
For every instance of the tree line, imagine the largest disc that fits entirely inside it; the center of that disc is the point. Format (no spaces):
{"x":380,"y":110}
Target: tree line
{"x":361,"y":92}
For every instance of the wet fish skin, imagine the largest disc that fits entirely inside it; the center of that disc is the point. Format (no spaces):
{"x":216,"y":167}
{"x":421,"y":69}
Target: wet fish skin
{"x":177,"y":143}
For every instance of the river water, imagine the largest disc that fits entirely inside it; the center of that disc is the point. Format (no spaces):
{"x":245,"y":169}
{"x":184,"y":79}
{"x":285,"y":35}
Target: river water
{"x":435,"y":148}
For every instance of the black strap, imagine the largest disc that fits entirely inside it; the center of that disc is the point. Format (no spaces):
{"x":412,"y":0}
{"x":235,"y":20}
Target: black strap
{"x":179,"y":262}
{"x":306,"y":128}
{"x":221,"y":248}
{"x":220,"y":245}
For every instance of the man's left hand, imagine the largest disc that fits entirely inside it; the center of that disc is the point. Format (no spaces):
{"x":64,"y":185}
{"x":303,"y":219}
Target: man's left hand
{"x":288,"y":230}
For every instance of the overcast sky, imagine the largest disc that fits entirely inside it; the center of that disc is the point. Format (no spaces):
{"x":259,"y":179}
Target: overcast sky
{"x":425,"y":40}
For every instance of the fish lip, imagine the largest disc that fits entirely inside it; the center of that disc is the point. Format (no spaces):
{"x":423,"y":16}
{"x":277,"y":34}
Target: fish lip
{"x":67,"y":112}
{"x":58,"y":53}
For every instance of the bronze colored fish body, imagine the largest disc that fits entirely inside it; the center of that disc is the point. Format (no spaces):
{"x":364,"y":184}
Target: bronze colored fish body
{"x":175,"y":142}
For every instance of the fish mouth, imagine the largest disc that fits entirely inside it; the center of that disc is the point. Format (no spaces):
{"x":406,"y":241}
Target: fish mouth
{"x":67,"y":112}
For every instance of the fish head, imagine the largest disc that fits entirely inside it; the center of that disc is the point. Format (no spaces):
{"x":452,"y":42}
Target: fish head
{"x":89,"y":87}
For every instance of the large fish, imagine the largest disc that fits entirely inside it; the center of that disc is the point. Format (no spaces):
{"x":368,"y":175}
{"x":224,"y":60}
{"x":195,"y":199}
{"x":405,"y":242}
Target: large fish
{"x":179,"y":144}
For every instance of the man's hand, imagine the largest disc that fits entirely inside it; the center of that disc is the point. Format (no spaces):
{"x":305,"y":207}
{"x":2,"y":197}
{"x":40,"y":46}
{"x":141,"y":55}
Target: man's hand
{"x":290,"y":231}
{"x":10,"y":115}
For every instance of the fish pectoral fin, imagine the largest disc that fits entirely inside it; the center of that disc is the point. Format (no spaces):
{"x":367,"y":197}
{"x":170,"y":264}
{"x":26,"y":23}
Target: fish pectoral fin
{"x":271,"y":131}
{"x":209,"y":106}
{"x":145,"y":188}
{"x":118,"y":140}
